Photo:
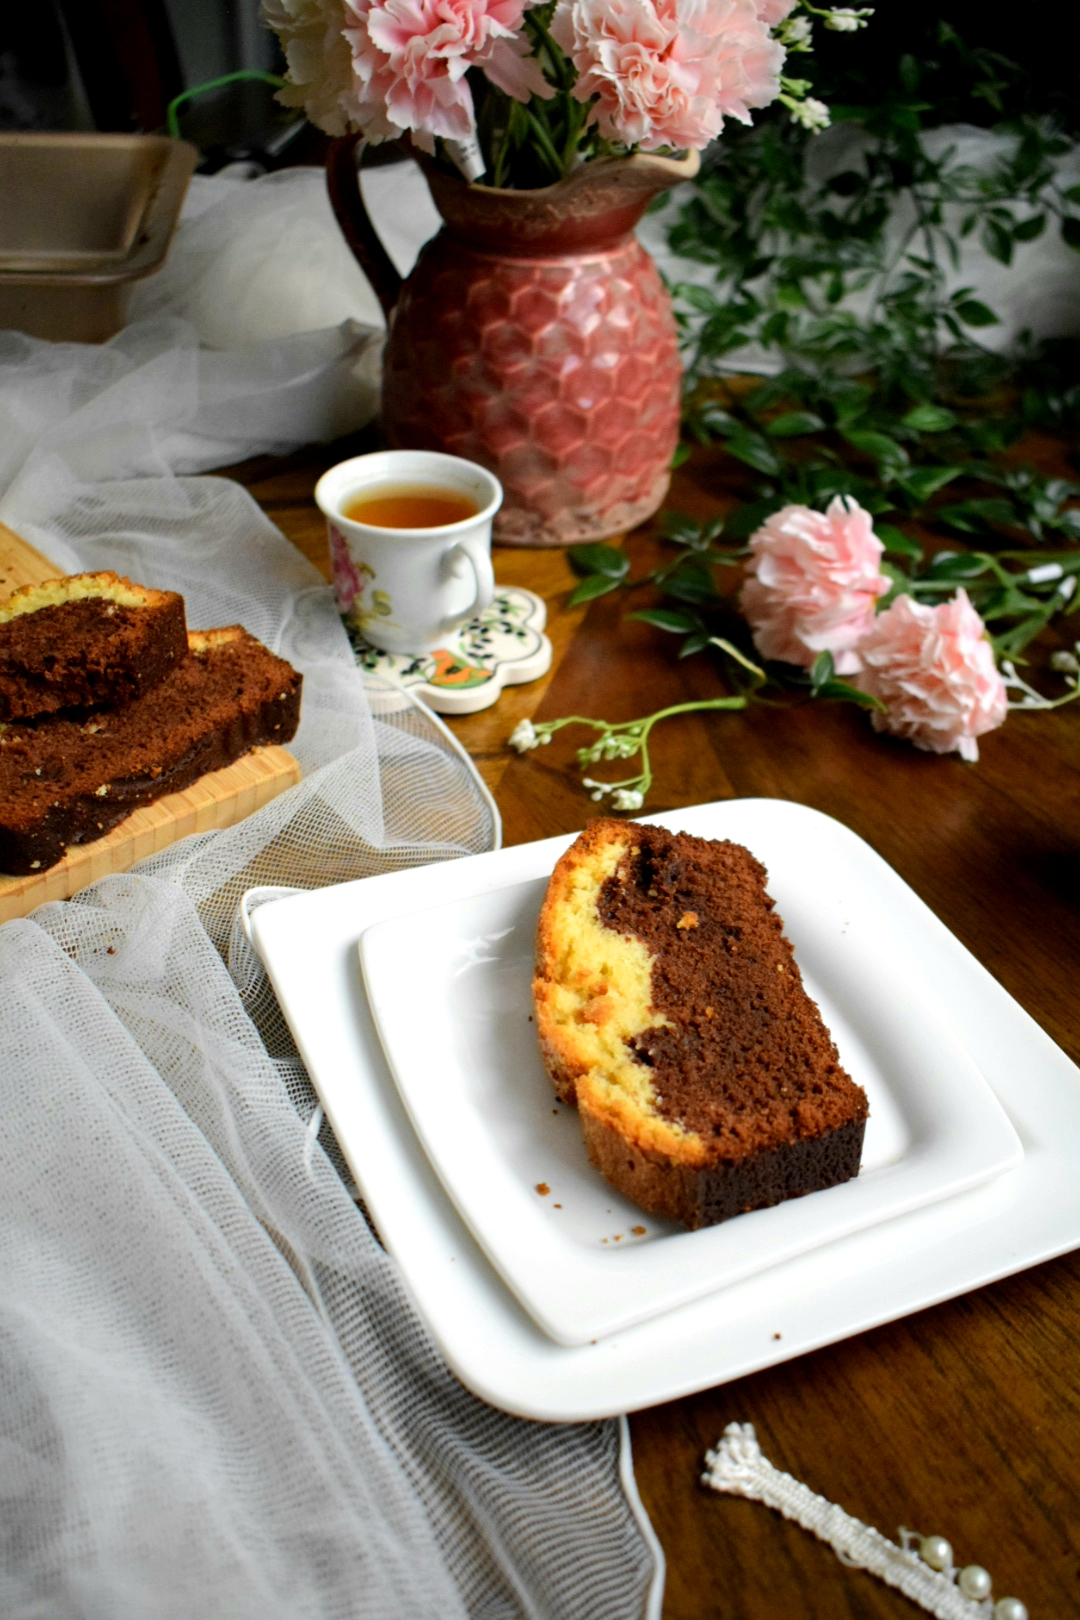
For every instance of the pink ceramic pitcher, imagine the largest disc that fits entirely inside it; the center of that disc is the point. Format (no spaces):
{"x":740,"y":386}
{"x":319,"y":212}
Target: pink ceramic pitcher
{"x":534,"y":336}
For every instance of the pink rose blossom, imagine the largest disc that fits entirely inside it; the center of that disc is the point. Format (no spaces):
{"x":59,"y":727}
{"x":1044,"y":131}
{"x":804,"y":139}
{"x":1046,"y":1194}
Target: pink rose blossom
{"x":934,"y":670}
{"x":815,"y":580}
{"x":667,"y":72}
{"x":410,"y":58}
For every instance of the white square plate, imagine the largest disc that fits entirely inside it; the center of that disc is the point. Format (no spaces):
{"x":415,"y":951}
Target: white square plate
{"x":309,"y":945}
{"x":450,"y":989}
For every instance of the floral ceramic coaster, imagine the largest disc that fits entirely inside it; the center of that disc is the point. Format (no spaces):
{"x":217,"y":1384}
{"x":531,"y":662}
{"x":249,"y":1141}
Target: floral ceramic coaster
{"x":502,"y":646}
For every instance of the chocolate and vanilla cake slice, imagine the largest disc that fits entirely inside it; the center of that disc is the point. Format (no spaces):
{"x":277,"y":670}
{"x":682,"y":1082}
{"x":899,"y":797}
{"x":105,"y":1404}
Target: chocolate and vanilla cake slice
{"x":67,"y":779}
{"x":84,"y":640}
{"x":671,"y":1010}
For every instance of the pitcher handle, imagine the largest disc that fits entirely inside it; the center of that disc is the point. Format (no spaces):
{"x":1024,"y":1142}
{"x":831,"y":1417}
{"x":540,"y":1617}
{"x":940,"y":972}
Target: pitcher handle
{"x":343,"y":183}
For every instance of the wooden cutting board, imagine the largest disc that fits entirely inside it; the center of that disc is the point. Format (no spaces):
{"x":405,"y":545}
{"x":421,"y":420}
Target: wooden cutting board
{"x":219,"y":799}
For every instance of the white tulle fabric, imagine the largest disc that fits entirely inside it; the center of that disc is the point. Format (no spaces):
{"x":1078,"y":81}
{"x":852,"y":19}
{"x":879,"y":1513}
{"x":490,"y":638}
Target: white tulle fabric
{"x":216,"y":1399}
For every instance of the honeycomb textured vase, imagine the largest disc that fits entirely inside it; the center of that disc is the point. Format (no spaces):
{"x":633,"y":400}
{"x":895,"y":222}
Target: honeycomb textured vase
{"x":535,"y":336}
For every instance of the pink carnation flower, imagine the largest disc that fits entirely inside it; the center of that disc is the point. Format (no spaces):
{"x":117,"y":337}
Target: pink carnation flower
{"x":410,"y":58}
{"x":772,"y":12}
{"x":667,"y":72}
{"x":934,"y":670}
{"x":815,"y":580}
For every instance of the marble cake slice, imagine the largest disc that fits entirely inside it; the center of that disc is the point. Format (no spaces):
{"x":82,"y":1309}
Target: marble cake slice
{"x":85,"y":640}
{"x":671,"y":1010}
{"x":67,"y":780}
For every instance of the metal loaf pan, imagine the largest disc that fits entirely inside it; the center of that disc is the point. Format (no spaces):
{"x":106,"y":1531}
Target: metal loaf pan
{"x":81,"y":218}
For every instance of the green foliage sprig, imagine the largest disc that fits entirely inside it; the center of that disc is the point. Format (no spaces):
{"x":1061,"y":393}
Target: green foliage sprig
{"x":883,"y":389}
{"x":626,"y":739}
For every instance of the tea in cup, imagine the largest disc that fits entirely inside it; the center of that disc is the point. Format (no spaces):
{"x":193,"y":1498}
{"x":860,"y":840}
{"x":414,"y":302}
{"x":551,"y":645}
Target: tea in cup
{"x":410,"y":544}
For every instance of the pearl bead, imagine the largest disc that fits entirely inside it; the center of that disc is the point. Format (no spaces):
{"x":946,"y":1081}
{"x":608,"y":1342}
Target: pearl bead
{"x":1010,"y":1609}
{"x":936,"y":1551}
{"x":975,"y":1582}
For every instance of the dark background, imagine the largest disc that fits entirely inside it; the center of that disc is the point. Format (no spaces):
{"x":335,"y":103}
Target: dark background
{"x":1030,"y":68}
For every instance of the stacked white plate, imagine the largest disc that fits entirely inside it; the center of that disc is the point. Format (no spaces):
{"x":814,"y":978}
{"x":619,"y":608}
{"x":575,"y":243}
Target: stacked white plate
{"x":549,"y":1294}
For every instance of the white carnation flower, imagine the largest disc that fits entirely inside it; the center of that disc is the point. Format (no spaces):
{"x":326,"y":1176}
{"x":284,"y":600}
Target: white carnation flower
{"x":318,"y":57}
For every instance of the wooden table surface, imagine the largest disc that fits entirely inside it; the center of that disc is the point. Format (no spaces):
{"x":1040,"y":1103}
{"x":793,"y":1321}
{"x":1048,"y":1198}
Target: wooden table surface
{"x":963,"y":1420}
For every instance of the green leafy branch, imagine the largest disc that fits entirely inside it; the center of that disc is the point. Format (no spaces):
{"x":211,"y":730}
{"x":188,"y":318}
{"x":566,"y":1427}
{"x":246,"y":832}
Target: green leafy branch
{"x":626,"y":739}
{"x":884,"y":387}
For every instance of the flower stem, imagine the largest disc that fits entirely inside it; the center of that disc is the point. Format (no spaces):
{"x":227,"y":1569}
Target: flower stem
{"x":621,"y":740}
{"x":545,"y":142}
{"x":682,"y":708}
{"x":560,"y":66}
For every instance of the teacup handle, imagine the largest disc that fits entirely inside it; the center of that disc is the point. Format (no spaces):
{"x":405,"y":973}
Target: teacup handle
{"x":479,"y":557}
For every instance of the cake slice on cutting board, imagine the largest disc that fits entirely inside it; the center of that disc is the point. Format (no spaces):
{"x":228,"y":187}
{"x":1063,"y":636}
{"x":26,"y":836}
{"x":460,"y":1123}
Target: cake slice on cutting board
{"x":83,"y":640}
{"x":68,"y":779}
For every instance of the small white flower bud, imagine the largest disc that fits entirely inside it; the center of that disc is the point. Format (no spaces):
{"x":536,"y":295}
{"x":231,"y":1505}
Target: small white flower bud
{"x":846,"y":19}
{"x":796,"y":31}
{"x":628,"y":799}
{"x":811,"y":113}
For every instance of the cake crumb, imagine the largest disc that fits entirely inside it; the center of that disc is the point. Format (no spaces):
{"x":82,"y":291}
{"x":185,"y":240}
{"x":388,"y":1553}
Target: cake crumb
{"x":638,"y":1231}
{"x":689,"y":919}
{"x":542,"y":1188}
{"x":777,"y":1335}
{"x":556,"y":1206}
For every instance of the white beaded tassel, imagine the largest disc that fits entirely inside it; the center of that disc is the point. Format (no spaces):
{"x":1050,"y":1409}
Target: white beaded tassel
{"x":921,"y":1567}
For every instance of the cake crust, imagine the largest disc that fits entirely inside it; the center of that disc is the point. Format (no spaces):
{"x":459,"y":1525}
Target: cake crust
{"x":671,"y":1009}
{"x":85,"y":640}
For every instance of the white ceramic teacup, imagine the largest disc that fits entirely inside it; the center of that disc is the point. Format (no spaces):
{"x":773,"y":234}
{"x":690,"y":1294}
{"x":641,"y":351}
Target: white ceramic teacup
{"x":406,"y":589}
